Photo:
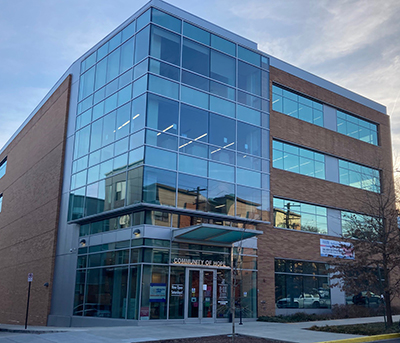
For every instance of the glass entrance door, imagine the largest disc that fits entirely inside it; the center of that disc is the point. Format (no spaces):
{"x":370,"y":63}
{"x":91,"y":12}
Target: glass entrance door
{"x":201,"y":295}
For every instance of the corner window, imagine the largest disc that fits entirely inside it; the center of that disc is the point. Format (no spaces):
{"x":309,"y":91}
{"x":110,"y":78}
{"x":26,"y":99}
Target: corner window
{"x":3,"y":166}
{"x":1,"y":201}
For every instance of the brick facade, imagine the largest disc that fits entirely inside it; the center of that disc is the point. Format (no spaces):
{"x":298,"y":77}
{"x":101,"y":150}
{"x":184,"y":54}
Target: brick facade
{"x":290,"y":244}
{"x":31,"y":191}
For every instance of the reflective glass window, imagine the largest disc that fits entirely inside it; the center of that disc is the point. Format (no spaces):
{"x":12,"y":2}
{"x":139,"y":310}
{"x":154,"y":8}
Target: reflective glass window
{"x":249,"y":56}
{"x":162,"y":114}
{"x":195,"y":81}
{"x":249,"y":139}
{"x":192,"y":147}
{"x":143,"y":20}
{"x":222,"y":90}
{"x":123,"y":121}
{"x":83,"y":119}
{"x":221,"y":172}
{"x":222,"y":155}
{"x":126,"y":55}
{"x":101,"y":72}
{"x":194,"y":97}
{"x":355,"y":225}
{"x":82,"y":142}
{"x":113,"y":64}
{"x":223,"y":68}
{"x":248,"y":115}
{"x":139,"y":86}
{"x":248,"y":177}
{"x":196,"y":33}
{"x":196,"y":57}
{"x":298,"y":160}
{"x":86,"y":83}
{"x":138,"y":113}
{"x":166,"y":20}
{"x":163,"y":87}
{"x":103,"y":290}
{"x":300,"y":216}
{"x":294,"y":288}
{"x":222,"y":131}
{"x":128,"y":31}
{"x":221,"y":197}
{"x":114,"y":41}
{"x":160,"y":158}
{"x":192,"y":165}
{"x":142,"y":44}
{"x":159,"y":186}
{"x":222,"y":106}
{"x":165,"y":45}
{"x":249,"y":162}
{"x":134,"y":186}
{"x":140,"y":69}
{"x":164,"y":69}
{"x":298,"y":106}
{"x":248,"y":202}
{"x":109,"y":128}
{"x":121,"y":146}
{"x":357,"y":128}
{"x":136,"y":140}
{"x":194,"y":123}
{"x":124,"y":95}
{"x":88,"y":62}
{"x":249,"y":100}
{"x":355,"y":175}
{"x":223,"y":45}
{"x":136,"y":157}
{"x":161,"y":139}
{"x":249,"y":78}
{"x":192,"y":192}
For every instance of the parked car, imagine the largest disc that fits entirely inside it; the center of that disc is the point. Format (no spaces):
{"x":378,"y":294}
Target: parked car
{"x":366,"y":298}
{"x":305,"y":300}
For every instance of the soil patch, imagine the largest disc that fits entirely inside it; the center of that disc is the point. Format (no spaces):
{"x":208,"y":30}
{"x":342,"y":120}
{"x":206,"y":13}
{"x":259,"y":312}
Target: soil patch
{"x":219,"y":339}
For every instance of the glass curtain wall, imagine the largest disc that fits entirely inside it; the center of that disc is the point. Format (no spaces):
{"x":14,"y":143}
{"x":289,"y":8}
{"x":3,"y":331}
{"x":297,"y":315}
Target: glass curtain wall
{"x":142,"y":279}
{"x":171,"y":114}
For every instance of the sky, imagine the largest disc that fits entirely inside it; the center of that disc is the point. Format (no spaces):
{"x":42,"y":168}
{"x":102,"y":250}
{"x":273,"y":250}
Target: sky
{"x":352,"y":43}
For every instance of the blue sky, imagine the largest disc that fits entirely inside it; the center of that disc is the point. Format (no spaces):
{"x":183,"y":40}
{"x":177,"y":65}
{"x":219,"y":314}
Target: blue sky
{"x":353,"y":43}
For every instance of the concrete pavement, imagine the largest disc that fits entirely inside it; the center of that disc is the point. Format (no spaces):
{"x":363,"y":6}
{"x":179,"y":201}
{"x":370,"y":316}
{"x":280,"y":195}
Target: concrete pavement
{"x":293,"y":332}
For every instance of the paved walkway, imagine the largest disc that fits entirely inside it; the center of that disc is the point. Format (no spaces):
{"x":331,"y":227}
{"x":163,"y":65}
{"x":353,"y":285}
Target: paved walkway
{"x":286,"y":332}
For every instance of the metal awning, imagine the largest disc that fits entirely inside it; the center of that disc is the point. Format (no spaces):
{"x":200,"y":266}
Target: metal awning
{"x":208,"y":233}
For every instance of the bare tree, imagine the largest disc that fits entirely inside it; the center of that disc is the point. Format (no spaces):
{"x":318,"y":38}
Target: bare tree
{"x":375,"y":241}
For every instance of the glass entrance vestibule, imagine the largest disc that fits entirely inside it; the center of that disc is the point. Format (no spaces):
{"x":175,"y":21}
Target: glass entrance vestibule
{"x":150,"y":279}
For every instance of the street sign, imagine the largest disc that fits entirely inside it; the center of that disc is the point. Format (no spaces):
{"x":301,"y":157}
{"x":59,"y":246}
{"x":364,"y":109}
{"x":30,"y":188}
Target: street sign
{"x":30,"y":277}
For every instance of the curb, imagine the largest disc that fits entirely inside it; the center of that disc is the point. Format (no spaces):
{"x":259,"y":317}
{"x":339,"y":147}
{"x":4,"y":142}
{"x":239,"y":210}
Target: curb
{"x":38,"y":332}
{"x":365,"y":338}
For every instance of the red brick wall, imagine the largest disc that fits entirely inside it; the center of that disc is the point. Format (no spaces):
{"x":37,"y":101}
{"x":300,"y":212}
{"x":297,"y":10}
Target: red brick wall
{"x":31,"y":191}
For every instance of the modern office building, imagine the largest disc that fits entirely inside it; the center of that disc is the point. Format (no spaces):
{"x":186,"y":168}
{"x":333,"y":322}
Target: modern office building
{"x":171,"y":158}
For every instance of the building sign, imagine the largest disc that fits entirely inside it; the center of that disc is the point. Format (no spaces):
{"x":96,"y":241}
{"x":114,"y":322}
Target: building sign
{"x":193,"y":262}
{"x":330,"y":248}
{"x":177,"y":289}
{"x":158,"y":292}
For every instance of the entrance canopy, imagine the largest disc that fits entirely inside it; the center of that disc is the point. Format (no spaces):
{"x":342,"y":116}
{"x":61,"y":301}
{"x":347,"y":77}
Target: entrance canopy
{"x":213,"y":234}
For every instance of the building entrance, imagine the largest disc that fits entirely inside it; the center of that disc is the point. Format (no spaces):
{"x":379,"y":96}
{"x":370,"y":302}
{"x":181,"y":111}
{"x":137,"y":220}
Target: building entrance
{"x":201,"y":294}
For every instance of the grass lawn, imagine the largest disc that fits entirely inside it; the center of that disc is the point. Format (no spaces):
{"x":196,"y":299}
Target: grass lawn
{"x":359,"y":329}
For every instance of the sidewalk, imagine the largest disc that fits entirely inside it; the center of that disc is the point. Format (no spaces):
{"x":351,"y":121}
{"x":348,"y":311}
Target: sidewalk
{"x":293,"y":332}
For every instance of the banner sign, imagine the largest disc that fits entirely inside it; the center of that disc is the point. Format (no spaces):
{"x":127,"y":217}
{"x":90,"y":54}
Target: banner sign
{"x":330,"y":248}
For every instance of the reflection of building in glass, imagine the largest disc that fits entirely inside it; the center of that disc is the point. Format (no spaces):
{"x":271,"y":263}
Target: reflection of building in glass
{"x":156,"y":167}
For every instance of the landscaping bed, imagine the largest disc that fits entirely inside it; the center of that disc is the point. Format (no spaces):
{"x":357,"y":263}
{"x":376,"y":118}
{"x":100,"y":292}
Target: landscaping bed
{"x":359,"y":329}
{"x":219,"y":339}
